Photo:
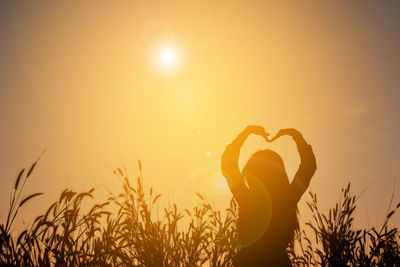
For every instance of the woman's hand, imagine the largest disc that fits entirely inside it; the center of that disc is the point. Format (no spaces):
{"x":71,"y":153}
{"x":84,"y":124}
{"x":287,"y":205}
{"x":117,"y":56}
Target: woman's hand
{"x":251,"y":129}
{"x":290,"y":131}
{"x":258,"y":130}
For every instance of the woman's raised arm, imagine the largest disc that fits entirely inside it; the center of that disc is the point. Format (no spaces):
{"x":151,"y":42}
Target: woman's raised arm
{"x":308,"y":164}
{"x":229,"y":160}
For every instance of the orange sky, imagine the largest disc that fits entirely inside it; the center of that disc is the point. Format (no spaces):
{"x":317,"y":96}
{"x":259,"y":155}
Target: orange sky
{"x":82,"y":80}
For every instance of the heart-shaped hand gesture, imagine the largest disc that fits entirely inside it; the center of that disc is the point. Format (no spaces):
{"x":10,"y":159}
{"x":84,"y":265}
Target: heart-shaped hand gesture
{"x":259,"y":130}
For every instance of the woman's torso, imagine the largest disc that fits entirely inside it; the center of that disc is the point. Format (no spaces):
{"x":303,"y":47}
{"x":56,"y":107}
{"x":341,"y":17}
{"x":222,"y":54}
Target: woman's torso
{"x":265,"y":227}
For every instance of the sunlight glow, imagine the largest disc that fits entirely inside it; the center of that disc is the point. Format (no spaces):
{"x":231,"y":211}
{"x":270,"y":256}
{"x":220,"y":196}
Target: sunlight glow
{"x":220,"y":186}
{"x":168,"y":57}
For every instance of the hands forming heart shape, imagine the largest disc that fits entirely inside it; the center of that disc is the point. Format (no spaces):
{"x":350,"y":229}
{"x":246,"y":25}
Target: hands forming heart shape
{"x":259,"y":130}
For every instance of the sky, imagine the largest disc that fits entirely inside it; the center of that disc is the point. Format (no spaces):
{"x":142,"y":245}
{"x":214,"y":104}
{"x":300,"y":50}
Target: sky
{"x":84,"y":81}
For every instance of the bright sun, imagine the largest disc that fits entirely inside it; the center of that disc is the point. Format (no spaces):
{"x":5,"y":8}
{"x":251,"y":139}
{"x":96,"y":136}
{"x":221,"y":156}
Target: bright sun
{"x":168,"y":57}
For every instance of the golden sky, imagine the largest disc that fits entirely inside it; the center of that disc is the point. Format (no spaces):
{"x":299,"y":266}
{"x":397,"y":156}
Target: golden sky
{"x":85,"y":81}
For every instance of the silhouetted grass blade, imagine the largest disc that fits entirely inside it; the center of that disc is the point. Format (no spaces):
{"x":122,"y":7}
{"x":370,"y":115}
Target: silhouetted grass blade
{"x":31,"y":169}
{"x":19,"y":178}
{"x":28,"y":198}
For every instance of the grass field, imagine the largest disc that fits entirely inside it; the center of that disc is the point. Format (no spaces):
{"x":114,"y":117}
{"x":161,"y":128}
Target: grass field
{"x":128,"y":230}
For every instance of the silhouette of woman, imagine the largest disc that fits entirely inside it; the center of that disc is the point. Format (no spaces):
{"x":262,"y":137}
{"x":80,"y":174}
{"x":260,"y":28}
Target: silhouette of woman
{"x":267,"y":201}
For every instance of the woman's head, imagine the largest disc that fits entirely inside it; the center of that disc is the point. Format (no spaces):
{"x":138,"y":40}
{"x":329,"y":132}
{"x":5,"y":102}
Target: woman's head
{"x":268,"y":168}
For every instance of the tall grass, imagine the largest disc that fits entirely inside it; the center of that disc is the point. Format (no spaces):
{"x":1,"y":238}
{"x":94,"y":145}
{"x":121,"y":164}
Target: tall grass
{"x":68,"y":235}
{"x":337,"y":243}
{"x":128,"y":230}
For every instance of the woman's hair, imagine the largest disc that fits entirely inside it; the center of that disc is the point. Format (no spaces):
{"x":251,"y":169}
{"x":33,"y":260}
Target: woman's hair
{"x":268,"y":168}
